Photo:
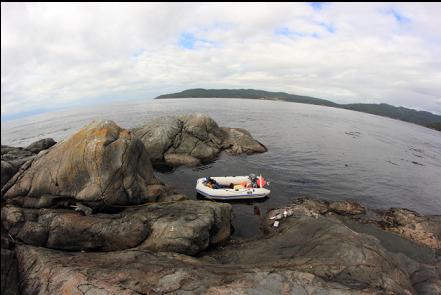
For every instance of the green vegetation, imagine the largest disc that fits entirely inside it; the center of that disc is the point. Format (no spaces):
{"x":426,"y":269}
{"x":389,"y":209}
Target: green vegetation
{"x":435,"y":125}
{"x":248,"y":93}
{"x":423,"y":118}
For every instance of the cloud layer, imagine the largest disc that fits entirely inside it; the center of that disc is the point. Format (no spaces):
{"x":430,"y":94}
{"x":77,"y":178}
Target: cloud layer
{"x":57,"y":55}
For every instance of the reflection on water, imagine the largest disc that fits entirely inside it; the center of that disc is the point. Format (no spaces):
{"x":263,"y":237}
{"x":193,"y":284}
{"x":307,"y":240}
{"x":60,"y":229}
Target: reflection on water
{"x":317,"y":151}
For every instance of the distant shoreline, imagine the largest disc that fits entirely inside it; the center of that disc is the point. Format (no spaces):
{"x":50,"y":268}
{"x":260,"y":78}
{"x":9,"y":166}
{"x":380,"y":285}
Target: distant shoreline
{"x":422,"y":118}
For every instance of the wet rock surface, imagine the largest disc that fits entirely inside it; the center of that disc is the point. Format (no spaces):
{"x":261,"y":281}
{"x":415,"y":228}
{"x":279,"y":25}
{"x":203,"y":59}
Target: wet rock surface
{"x":192,"y":139}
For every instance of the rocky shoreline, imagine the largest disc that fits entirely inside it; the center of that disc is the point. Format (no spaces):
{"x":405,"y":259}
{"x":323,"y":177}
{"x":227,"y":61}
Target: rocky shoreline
{"x":88,"y":216}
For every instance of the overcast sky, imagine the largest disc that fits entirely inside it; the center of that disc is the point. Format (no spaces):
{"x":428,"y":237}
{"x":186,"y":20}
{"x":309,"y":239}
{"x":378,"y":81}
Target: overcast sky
{"x":58,"y":55}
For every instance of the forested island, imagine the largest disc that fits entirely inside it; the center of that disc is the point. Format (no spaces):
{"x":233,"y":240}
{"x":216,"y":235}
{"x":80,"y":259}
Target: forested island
{"x":423,"y":118}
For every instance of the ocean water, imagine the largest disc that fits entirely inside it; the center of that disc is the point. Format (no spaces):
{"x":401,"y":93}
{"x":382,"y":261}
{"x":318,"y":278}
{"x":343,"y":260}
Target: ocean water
{"x":316,"y":151}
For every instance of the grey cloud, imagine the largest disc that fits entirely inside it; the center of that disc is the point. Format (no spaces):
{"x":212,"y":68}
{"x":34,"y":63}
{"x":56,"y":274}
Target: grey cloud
{"x":56,"y":54}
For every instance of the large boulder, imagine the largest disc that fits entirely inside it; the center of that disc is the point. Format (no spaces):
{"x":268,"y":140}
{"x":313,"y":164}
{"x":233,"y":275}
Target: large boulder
{"x":193,"y":139}
{"x":100,"y":164}
{"x":184,"y":227}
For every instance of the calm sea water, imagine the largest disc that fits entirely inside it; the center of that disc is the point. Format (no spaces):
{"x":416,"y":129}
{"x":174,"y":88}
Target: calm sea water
{"x":324,"y":152}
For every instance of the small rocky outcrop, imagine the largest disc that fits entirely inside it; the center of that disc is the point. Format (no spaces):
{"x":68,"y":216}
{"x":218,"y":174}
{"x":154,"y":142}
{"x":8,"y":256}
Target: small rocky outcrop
{"x":100,"y":164}
{"x":13,"y":158}
{"x":425,"y":230}
{"x":192,"y":139}
{"x":42,"y":144}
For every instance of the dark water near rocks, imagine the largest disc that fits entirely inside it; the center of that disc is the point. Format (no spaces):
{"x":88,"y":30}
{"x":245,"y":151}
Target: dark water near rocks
{"x":328,"y":153}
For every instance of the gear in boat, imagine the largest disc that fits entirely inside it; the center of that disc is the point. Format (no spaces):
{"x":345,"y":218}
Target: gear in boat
{"x":233,"y":187}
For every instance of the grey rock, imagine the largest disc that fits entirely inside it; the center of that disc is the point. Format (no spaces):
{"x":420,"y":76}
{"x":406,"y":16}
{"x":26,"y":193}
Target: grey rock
{"x":346,"y":208}
{"x":193,"y":139}
{"x":425,"y":230}
{"x":9,"y":273}
{"x":101,"y":164}
{"x":40,"y":145}
{"x":10,"y":153}
{"x":8,"y":170}
{"x":14,"y":157}
{"x":183,"y":227}
{"x":46,"y":271}
{"x":326,"y":248}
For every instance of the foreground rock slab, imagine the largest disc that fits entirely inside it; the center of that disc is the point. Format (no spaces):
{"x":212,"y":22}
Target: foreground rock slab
{"x":192,"y":139}
{"x":184,"y":227}
{"x":313,"y":250}
{"x":314,"y":236}
{"x":46,"y":271}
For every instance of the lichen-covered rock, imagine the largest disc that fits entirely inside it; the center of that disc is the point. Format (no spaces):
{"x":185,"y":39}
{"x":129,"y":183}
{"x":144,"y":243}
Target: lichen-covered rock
{"x":346,"y":208}
{"x":192,"y":139}
{"x":102,"y":163}
{"x":425,"y":230}
{"x":184,"y":227}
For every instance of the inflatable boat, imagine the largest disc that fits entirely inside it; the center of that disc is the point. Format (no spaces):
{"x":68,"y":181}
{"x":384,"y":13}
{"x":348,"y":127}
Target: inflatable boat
{"x":232,"y":187}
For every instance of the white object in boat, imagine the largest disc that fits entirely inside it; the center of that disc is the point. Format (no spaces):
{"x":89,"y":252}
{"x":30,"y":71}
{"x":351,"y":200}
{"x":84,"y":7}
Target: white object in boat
{"x":276,"y":223}
{"x":230,"y":193}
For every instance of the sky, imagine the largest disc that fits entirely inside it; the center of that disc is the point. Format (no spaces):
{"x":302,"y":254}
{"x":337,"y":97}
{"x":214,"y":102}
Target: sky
{"x":65,"y":55}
